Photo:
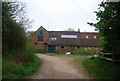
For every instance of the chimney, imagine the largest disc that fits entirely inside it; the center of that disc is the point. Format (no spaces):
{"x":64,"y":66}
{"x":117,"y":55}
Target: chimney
{"x":78,"y":30}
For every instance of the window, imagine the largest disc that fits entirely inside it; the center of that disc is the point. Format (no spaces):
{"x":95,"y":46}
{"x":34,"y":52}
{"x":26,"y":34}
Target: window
{"x":62,"y":47}
{"x":40,"y":38}
{"x":95,"y":37}
{"x":87,"y":37}
{"x":54,"y":38}
{"x":35,"y":43}
{"x":40,"y":32}
{"x":45,"y":43}
{"x":68,"y":36}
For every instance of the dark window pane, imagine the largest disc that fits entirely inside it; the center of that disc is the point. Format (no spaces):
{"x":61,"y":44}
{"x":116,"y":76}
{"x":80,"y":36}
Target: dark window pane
{"x":40,"y":38}
{"x":35,"y":43}
{"x":45,"y":43}
{"x":62,"y":46}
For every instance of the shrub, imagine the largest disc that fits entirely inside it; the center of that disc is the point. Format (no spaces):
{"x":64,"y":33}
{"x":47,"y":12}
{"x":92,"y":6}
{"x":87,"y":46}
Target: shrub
{"x":86,"y":50}
{"x":11,"y":70}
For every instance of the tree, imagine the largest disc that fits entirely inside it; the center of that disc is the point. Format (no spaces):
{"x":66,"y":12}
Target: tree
{"x":109,"y":26}
{"x":29,"y":34}
{"x":13,"y":27}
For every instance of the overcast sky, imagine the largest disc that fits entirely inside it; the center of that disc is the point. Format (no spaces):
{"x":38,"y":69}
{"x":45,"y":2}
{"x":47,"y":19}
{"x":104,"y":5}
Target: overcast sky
{"x":59,"y":15}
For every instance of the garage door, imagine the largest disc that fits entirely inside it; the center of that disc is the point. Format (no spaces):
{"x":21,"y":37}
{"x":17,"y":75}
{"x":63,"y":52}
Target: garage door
{"x":51,"y":49}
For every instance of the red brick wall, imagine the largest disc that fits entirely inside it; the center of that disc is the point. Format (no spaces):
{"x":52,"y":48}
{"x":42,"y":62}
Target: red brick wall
{"x":62,"y":50}
{"x":46,"y":39}
{"x":42,"y":48}
{"x":90,"y":35}
{"x":35,"y":40}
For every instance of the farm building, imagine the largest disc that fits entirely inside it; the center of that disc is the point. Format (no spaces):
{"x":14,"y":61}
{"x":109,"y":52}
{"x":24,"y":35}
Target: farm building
{"x":62,"y":41}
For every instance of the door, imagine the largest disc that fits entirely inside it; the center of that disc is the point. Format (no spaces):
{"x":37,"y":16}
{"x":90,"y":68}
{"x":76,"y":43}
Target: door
{"x":51,"y":48}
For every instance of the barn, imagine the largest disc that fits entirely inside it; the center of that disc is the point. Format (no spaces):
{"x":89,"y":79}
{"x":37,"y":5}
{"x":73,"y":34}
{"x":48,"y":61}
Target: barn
{"x":62,"y":41}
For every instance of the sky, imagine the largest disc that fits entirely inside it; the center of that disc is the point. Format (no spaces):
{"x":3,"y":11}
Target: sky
{"x":59,"y":15}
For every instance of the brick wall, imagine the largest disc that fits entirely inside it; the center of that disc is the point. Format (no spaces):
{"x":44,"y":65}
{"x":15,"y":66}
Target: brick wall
{"x":43,"y":48}
{"x":59,"y":49}
{"x":90,"y":35}
{"x":34,"y":39}
{"x":45,"y":40}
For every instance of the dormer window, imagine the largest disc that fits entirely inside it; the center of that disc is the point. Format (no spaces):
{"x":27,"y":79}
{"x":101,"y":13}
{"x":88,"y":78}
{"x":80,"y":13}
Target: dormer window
{"x":87,"y":37}
{"x":95,"y":37}
{"x":54,"y":38}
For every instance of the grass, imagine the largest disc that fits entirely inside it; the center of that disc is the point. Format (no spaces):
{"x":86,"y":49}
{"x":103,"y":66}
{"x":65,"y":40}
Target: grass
{"x":11,"y":70}
{"x":83,"y":54}
{"x":101,"y":69}
{"x":20,"y":64}
{"x":0,"y":67}
{"x":40,"y":52}
{"x":75,"y":54}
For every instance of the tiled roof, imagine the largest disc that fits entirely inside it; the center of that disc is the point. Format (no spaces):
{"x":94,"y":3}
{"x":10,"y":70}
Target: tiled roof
{"x":79,"y":41}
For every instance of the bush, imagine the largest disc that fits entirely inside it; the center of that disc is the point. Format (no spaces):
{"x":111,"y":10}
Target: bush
{"x":16,"y":49}
{"x":85,"y":50}
{"x":11,"y":70}
{"x":19,"y":64}
{"x":22,"y":56}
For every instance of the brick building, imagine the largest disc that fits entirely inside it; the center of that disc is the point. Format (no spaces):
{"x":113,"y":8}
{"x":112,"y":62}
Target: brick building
{"x":62,"y":41}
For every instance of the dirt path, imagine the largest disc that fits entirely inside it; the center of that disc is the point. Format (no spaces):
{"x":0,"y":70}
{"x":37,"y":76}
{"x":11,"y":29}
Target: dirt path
{"x":57,"y":68}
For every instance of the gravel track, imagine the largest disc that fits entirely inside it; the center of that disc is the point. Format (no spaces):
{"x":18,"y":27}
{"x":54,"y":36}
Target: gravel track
{"x":58,"y":68}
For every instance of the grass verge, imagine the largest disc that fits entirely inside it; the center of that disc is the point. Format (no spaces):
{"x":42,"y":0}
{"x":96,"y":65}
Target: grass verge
{"x":40,"y":52}
{"x":101,"y":69}
{"x":12,"y":70}
{"x":82,"y":54}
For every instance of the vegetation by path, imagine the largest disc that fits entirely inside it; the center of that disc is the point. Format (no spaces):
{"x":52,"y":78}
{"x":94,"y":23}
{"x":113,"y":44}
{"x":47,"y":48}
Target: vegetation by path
{"x":99,"y":69}
{"x":64,"y":54}
{"x":108,"y":13}
{"x":11,"y":70}
{"x":17,"y":50}
{"x":84,"y":54}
